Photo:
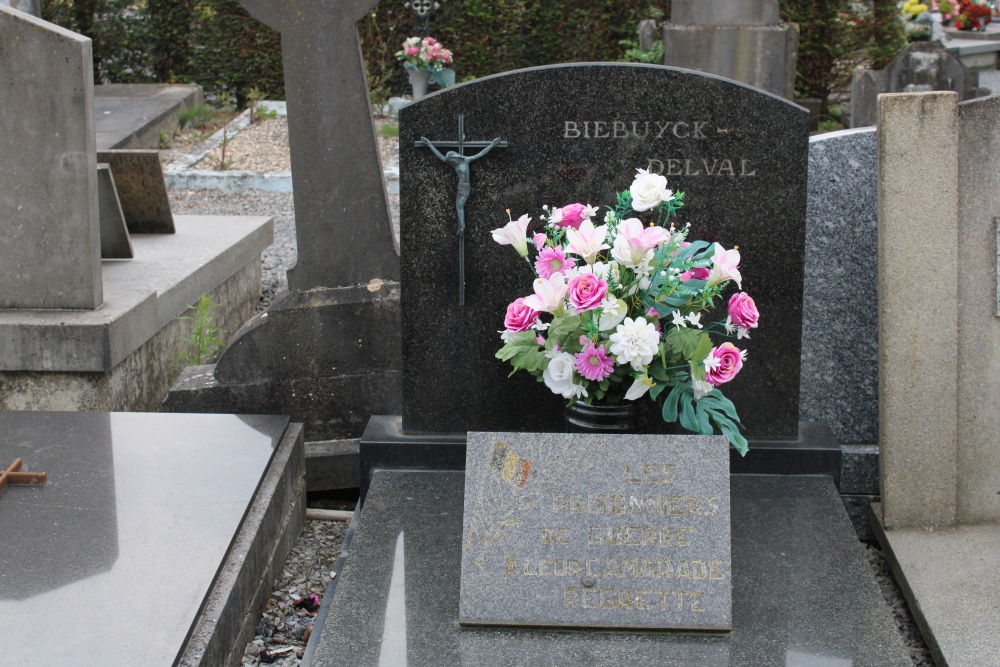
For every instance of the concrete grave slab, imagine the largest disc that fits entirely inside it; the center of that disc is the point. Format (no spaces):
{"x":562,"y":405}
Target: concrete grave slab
{"x":585,"y":530}
{"x":51,"y":252}
{"x":132,"y":115}
{"x":802,"y":589}
{"x":115,"y":241}
{"x":110,"y":529}
{"x":953,"y":574}
{"x":141,"y":189}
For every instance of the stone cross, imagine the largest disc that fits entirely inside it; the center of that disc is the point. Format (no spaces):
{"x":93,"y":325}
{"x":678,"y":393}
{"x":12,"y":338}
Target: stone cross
{"x":12,"y":476}
{"x":460,"y":162}
{"x":342,"y":222}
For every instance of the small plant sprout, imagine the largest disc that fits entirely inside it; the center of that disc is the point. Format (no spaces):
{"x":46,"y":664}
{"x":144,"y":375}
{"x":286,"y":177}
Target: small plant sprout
{"x":201,"y":345}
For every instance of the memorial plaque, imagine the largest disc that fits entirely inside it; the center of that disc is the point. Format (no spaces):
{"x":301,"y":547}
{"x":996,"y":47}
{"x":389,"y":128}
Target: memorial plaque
{"x":600,"y":531}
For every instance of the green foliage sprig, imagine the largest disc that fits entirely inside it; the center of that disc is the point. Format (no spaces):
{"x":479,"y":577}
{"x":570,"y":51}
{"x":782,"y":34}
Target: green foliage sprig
{"x":201,"y":345}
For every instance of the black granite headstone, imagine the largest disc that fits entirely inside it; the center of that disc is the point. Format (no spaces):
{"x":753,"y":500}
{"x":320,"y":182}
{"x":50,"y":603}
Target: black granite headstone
{"x":577,"y":133}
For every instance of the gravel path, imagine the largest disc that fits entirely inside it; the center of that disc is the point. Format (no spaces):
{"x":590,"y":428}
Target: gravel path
{"x":282,"y":632}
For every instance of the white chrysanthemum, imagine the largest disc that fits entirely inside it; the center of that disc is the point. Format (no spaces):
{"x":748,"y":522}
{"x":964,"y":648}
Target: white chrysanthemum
{"x":558,"y":375}
{"x":635,"y":342}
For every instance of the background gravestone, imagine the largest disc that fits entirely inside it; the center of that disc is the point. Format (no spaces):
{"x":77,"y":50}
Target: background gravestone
{"x":33,"y":7}
{"x":50,"y":255}
{"x":839,"y":327}
{"x":744,"y":41}
{"x":753,"y":144}
{"x":921,"y":66}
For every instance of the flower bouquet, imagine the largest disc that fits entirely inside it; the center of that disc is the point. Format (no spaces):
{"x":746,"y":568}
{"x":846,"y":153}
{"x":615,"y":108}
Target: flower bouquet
{"x":426,"y":54}
{"x":617,"y":310}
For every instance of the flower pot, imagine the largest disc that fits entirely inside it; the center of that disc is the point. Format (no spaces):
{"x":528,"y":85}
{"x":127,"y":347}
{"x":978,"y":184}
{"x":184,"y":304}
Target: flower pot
{"x":626,"y":417}
{"x":418,"y":82}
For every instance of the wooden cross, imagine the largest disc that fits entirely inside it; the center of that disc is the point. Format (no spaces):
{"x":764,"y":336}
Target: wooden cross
{"x":12,"y":476}
{"x":460,"y":162}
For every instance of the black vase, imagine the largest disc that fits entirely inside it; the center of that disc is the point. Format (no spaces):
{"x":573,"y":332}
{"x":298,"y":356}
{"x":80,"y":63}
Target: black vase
{"x":625,"y":417}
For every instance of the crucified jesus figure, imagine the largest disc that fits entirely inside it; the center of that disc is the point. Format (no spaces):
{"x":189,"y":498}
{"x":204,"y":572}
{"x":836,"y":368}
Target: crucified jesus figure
{"x":460,"y":163}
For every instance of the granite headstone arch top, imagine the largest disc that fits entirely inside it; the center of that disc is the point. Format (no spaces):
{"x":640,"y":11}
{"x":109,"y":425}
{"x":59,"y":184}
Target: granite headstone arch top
{"x":577,"y":133}
{"x":342,"y":222}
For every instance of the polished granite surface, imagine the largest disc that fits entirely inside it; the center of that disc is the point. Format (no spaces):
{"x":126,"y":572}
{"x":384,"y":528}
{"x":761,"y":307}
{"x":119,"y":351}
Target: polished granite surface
{"x":803,"y":593}
{"x":110,"y":561}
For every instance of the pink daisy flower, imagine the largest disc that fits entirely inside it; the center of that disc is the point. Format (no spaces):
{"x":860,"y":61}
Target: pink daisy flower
{"x":552,"y":261}
{"x":594,"y":363}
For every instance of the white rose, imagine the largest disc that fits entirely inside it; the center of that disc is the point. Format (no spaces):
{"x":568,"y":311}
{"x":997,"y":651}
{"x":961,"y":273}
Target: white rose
{"x":558,"y":375}
{"x":648,"y":190}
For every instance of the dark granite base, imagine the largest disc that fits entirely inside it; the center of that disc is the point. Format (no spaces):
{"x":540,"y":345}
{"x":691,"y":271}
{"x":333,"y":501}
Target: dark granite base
{"x":384,"y":445}
{"x":802,"y":591}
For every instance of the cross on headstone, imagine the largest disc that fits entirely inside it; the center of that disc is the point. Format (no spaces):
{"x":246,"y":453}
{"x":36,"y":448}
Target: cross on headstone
{"x":12,"y":476}
{"x":342,"y":222}
{"x":460,"y":162}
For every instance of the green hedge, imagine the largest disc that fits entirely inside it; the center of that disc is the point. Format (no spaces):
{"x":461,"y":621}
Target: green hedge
{"x":217,"y":44}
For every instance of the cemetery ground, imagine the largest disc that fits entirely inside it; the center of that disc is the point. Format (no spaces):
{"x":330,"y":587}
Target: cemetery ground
{"x":281,"y":633}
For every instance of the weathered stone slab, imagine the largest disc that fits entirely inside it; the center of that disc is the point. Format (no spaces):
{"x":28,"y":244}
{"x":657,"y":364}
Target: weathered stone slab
{"x":342,"y":219}
{"x":724,"y":12}
{"x":918,"y":393}
{"x":51,"y":251}
{"x":741,"y":162}
{"x":115,"y":242}
{"x":141,"y":190}
{"x":597,"y":531}
{"x":839,"y":339}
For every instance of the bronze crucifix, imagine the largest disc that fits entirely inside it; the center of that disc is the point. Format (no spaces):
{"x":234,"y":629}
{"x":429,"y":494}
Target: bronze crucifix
{"x":460,"y":162}
{"x":12,"y":476}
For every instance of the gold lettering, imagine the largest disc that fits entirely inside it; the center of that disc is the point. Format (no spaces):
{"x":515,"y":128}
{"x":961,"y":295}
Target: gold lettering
{"x":558,"y":503}
{"x":571,"y":598}
{"x":713,"y":504}
{"x":698,"y":569}
{"x":611,"y":568}
{"x":618,"y":504}
{"x":543,"y":570}
{"x":682,"y":572}
{"x":696,"y":601}
{"x":713,"y":569}
{"x":511,"y":567}
{"x":625,"y":598}
{"x":594,"y":536}
{"x":664,"y":569}
{"x":630,"y":567}
{"x":590,"y":572}
{"x":573,"y":568}
{"x":681,"y":540}
{"x":587,"y":592}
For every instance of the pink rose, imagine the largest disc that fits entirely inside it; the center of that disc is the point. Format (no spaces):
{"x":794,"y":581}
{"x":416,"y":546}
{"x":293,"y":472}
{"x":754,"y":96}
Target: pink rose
{"x":722,"y":364}
{"x":412,"y":50}
{"x":587,"y":291}
{"x":519,"y":316}
{"x":697,"y":274}
{"x":743,"y":310}
{"x":572,"y":215}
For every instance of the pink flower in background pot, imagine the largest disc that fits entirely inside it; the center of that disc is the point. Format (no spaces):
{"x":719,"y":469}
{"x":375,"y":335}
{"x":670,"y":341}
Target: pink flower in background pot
{"x":743,"y":310}
{"x":722,"y":364}
{"x":519,"y":316}
{"x":587,"y":291}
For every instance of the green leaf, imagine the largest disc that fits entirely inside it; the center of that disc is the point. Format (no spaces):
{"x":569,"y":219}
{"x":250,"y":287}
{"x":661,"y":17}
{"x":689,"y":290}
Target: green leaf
{"x":690,"y":250}
{"x":684,"y":342}
{"x":703,"y":348}
{"x":656,"y":390}
{"x":563,"y":328}
{"x":670,"y":405}
{"x":688,"y":419}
